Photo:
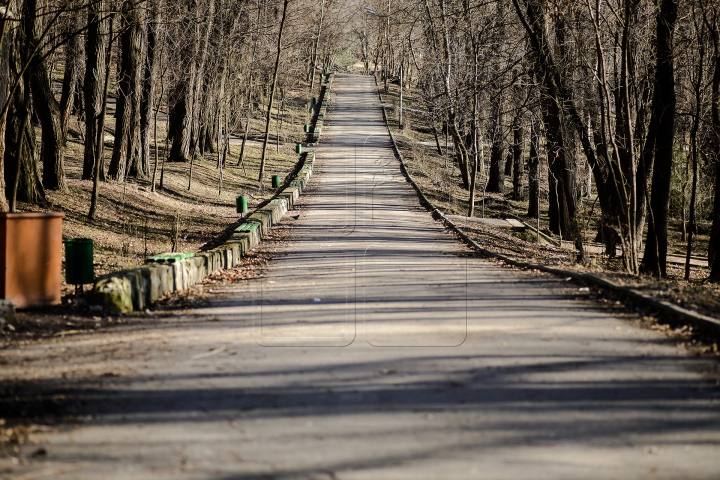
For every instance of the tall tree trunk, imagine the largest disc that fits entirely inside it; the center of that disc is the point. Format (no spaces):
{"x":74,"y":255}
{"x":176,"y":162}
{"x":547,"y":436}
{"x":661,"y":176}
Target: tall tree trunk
{"x":272,"y":90}
{"x":100,"y":141}
{"x":714,"y":245}
{"x":534,"y":173}
{"x":496,"y":180}
{"x":654,"y":260}
{"x":496,"y":177}
{"x":554,"y":96}
{"x":127,"y":124}
{"x":314,"y":55}
{"x":148,"y":101}
{"x":94,"y":74}
{"x":6,"y":39}
{"x":46,"y":107}
{"x":473,"y":131}
{"x":74,"y":54}
{"x":21,"y":169}
{"x":697,"y":82}
{"x":644,"y":173}
{"x":181,"y":94}
{"x":250,"y":85}
{"x":201,"y":88}
{"x":180,"y":102}
{"x":517,"y":157}
{"x":446,"y":67}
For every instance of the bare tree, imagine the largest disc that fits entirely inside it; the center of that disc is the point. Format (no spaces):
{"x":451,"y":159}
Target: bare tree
{"x":268,"y":115}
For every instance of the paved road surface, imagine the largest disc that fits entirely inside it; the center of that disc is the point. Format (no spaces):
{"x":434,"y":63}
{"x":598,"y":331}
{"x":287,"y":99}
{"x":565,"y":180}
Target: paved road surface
{"x":376,"y":347}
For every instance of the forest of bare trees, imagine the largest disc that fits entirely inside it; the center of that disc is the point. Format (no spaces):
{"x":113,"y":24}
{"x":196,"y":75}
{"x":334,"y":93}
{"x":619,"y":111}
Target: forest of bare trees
{"x":179,"y":77}
{"x":620,"y":99}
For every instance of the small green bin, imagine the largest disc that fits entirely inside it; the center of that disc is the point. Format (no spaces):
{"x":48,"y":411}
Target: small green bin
{"x":276,"y":181}
{"x":241,"y":204}
{"x":307,"y":128}
{"x":79,"y":268}
{"x":298,"y":148}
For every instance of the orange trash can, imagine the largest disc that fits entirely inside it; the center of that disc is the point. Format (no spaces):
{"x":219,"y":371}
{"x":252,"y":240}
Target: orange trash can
{"x":31,"y":258}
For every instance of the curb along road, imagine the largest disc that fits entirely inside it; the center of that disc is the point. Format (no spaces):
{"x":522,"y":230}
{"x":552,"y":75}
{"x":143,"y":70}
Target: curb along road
{"x":137,"y":288}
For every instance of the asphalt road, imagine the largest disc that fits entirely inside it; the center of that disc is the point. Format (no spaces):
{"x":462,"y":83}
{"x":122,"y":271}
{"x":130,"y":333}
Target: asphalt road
{"x":375,"y":346}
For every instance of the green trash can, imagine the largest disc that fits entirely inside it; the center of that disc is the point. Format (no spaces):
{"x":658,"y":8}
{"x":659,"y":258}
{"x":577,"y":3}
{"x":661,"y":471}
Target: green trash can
{"x":79,"y":268}
{"x":276,"y":181}
{"x":307,"y":128}
{"x":241,"y":204}
{"x":298,"y":148}
{"x":314,"y":100}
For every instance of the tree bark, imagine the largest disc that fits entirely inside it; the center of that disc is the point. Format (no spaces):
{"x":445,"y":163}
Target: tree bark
{"x":100,"y":141}
{"x":74,"y":54}
{"x":127,"y":124}
{"x":148,"y":101}
{"x":496,"y":178}
{"x":94,"y":75}
{"x":46,"y":107}
{"x":517,"y":149}
{"x":21,"y":169}
{"x":314,"y":55}
{"x":714,"y":245}
{"x":534,"y":173}
{"x":200,"y":84}
{"x":179,"y":121}
{"x":181,"y":94}
{"x":6,"y":37}
{"x":272,"y":90}
{"x":654,"y":260}
{"x":553,"y":96}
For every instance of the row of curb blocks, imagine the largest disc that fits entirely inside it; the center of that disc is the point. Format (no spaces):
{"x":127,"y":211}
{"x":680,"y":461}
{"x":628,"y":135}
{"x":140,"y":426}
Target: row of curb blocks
{"x":703,"y":322}
{"x":137,"y":288}
{"x":321,"y":106}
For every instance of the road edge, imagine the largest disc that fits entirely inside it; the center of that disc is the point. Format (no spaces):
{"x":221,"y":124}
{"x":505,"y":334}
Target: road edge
{"x":137,"y":288}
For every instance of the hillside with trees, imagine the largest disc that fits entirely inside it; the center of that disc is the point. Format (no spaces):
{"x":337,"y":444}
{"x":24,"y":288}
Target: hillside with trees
{"x":143,"y":119}
{"x":602,"y":116}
